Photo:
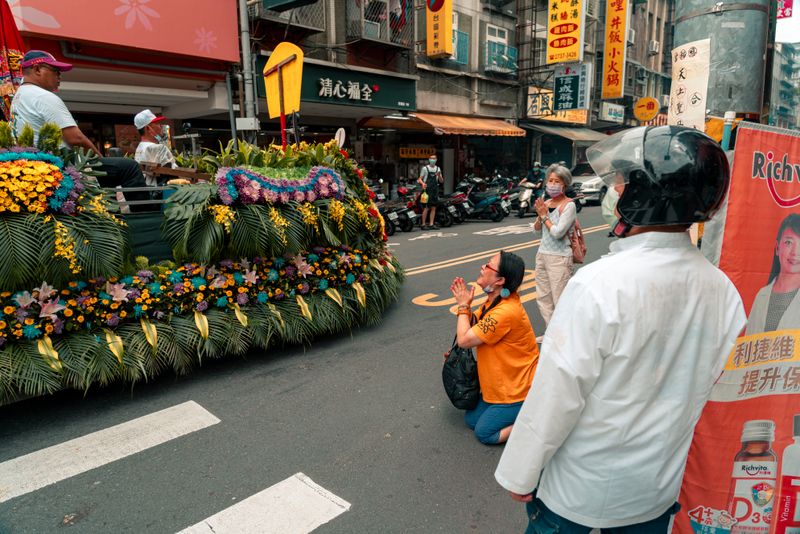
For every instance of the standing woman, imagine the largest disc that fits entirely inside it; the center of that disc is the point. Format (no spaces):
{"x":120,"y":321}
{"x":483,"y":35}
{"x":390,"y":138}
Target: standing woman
{"x":556,"y":217}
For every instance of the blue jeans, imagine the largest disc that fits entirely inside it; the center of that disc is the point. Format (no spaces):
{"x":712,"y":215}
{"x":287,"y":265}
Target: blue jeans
{"x":542,"y":520}
{"x":487,"y":420}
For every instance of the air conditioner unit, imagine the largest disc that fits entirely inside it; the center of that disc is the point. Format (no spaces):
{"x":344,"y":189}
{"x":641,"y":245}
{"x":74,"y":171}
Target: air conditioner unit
{"x":631,"y":36}
{"x":641,"y":74}
{"x":653,"y":47}
{"x":663,"y":100}
{"x":372,"y":30}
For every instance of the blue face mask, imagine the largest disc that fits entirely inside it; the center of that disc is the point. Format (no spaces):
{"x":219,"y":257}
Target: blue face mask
{"x":432,"y":162}
{"x":160,"y":138}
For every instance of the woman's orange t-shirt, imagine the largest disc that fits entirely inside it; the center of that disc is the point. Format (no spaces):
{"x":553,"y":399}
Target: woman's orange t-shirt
{"x":508,"y":356}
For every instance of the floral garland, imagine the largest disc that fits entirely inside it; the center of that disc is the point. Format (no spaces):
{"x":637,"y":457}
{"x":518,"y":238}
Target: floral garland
{"x":188,"y":288}
{"x":250,"y":187}
{"x":38,"y":182}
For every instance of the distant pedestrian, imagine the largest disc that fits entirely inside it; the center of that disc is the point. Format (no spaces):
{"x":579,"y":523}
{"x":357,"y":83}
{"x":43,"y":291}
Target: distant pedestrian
{"x":556,"y":219}
{"x":430,"y":178}
{"x":506,"y":345}
{"x":632,"y":350}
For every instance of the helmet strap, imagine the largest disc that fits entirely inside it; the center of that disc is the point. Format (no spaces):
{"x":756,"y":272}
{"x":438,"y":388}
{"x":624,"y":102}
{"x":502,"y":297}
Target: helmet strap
{"x":621,"y":229}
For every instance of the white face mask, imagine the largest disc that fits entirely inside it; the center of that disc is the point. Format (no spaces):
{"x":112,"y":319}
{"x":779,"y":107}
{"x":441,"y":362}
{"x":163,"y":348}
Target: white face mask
{"x":608,"y":206}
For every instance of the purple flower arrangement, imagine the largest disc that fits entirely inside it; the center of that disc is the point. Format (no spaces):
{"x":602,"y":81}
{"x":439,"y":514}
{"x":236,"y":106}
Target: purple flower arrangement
{"x":249,"y":187}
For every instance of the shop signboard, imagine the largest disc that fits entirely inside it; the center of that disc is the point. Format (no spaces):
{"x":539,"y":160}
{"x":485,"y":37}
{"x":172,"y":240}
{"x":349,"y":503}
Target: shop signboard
{"x":785,"y":8}
{"x":540,"y":106}
{"x":348,"y":87}
{"x":687,"y":97}
{"x":572,"y":87}
{"x":743,"y":469}
{"x":439,"y":28}
{"x":646,"y":108}
{"x":615,"y":50}
{"x":416,"y":152}
{"x":612,"y":112}
{"x":207,"y":29}
{"x":565,"y":25}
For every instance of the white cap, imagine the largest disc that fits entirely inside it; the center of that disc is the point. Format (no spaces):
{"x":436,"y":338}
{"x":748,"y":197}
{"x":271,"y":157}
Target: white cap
{"x":143,"y":118}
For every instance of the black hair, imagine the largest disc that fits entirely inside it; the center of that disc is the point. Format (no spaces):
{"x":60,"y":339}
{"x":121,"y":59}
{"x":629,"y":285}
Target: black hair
{"x":512,"y":268}
{"x":141,"y":130}
{"x":792,"y":221}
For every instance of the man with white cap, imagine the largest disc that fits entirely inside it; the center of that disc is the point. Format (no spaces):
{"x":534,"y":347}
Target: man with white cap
{"x":151,"y":148}
{"x":35,"y":103}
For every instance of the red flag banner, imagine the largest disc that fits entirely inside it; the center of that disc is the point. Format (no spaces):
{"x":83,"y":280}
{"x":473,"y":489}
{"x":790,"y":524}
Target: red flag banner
{"x":11,"y":51}
{"x":743,"y":470}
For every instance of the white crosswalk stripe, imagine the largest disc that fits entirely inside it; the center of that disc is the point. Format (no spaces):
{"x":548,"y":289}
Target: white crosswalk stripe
{"x":293,"y":506}
{"x":36,"y":470}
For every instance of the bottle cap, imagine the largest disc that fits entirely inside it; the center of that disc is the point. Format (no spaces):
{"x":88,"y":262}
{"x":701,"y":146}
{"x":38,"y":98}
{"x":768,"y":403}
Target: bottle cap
{"x":796,"y":425}
{"x":758,"y":430}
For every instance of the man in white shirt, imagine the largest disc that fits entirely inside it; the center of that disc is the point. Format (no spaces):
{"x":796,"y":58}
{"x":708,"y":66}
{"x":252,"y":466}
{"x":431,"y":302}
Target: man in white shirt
{"x":36,"y":103}
{"x":632,"y":351}
{"x":151,"y":148}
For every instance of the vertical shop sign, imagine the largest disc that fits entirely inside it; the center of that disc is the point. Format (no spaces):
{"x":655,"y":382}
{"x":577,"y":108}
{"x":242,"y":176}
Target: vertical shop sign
{"x":439,"y":26}
{"x":615,"y":49}
{"x":743,"y":470}
{"x":687,"y":97}
{"x":785,"y":8}
{"x":565,"y":25}
{"x":572,"y":87}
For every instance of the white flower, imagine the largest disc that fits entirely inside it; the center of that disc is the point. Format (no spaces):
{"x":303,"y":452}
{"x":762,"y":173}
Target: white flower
{"x":29,"y":16}
{"x":206,"y":40}
{"x":133,"y":9}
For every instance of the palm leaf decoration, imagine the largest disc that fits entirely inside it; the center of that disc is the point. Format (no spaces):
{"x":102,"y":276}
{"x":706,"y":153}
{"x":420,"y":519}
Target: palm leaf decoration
{"x":22,"y":238}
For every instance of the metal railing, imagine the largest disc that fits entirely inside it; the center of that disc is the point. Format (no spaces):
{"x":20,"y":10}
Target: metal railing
{"x":311,"y":17}
{"x":500,"y":58}
{"x":460,"y":48}
{"x":376,"y":21}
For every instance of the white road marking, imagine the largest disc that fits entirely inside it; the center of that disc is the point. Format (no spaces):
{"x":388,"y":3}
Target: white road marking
{"x":429,"y":235}
{"x":508,"y":230}
{"x":293,"y":506}
{"x":44,"y":467}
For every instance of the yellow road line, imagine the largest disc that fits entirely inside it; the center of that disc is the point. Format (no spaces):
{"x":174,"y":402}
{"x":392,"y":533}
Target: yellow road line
{"x":485,"y":254}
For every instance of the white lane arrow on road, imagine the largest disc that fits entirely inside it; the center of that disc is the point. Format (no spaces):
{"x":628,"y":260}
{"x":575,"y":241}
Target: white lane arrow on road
{"x":508,"y":230}
{"x":429,"y":235}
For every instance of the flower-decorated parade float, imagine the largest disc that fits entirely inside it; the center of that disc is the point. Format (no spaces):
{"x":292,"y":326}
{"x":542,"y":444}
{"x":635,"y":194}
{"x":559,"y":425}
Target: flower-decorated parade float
{"x":284,"y":246}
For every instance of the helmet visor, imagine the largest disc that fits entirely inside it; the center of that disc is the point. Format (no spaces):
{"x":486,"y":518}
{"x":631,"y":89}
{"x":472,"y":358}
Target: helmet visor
{"x":615,"y":158}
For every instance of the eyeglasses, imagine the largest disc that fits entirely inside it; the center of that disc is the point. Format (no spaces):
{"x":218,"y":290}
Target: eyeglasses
{"x":52,"y":69}
{"x":487,"y":266}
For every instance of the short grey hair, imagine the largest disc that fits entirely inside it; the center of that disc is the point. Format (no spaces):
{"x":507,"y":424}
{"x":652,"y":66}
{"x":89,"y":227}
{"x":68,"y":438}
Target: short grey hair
{"x":561,"y":172}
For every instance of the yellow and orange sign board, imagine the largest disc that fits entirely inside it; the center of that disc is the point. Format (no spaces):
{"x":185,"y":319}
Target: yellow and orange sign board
{"x":416,"y":152}
{"x":292,"y":76}
{"x":645,"y":109}
{"x":439,"y":27}
{"x":565,"y":24}
{"x":540,"y":106}
{"x":615,"y":49}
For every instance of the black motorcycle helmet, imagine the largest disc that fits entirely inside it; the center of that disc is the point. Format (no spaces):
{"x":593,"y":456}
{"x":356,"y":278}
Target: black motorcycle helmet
{"x":673,"y":175}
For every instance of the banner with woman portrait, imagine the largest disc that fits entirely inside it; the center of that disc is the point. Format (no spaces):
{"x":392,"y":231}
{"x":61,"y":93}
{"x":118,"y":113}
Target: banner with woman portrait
{"x":743,"y":471}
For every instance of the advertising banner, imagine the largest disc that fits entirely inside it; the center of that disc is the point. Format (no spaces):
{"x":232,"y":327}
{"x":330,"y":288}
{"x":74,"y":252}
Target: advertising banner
{"x":785,"y":9}
{"x":615,"y":49}
{"x":565,"y":24}
{"x":687,"y":97}
{"x":743,"y":470}
{"x":439,"y":26}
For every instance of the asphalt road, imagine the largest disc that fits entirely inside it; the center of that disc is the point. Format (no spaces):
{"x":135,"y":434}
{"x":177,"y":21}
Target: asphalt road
{"x":363,"y":416}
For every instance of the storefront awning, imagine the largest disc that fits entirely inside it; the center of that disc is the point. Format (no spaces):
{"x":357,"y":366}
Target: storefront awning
{"x":579,"y":135}
{"x":455,"y":125}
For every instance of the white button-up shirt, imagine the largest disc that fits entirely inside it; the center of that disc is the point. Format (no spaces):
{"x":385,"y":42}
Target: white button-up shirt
{"x":631,"y":353}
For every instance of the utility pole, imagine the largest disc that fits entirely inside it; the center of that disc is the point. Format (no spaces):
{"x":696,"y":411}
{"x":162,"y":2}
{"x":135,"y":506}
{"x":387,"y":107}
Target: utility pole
{"x":739,"y":33}
{"x":247,"y":62}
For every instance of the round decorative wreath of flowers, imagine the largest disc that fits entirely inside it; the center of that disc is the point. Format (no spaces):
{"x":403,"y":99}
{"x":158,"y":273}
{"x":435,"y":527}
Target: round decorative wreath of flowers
{"x":37,"y":182}
{"x":250,"y":187}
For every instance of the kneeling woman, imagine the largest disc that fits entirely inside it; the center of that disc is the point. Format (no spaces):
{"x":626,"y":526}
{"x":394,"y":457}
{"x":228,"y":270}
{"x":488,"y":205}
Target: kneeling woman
{"x":506,"y":345}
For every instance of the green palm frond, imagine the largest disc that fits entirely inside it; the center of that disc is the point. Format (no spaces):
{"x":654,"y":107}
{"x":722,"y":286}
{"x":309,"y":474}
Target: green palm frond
{"x":22,"y":237}
{"x":101,"y":246}
{"x":186,"y":335}
{"x":31,"y":373}
{"x":251,"y":233}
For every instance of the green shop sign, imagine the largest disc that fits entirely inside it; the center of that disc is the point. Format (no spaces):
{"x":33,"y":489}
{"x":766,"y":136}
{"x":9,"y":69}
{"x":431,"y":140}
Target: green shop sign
{"x":330,"y":85}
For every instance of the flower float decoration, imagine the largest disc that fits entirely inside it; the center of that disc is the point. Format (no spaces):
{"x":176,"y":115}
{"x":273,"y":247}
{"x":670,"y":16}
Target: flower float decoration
{"x":251,"y":187}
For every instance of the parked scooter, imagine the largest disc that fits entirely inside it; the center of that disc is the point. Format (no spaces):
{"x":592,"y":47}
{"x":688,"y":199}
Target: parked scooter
{"x":529,"y":192}
{"x":486,"y":203}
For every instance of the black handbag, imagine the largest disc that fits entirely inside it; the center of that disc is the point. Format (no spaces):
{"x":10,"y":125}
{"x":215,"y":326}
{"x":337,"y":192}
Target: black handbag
{"x":460,"y":377}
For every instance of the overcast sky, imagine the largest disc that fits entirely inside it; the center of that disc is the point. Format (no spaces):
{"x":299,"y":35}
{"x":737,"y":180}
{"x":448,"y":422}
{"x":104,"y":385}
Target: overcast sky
{"x":788,"y":30}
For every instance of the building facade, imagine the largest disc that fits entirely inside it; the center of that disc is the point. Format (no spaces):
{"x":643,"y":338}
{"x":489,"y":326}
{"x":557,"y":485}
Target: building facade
{"x":784,"y":110}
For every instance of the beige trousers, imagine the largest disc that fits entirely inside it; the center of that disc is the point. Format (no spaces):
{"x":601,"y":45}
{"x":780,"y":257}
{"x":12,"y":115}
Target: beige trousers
{"x":552,"y":274}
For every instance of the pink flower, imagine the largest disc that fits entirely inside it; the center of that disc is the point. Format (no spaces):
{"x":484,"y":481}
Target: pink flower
{"x":299,"y":196}
{"x":284,"y":197}
{"x":311,"y":196}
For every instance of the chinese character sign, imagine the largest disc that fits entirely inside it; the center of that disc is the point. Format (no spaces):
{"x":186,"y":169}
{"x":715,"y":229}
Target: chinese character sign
{"x":565,"y":31}
{"x":347,"y":90}
{"x":540,"y":106}
{"x":572,"y":84}
{"x":743,"y":471}
{"x":785,"y":9}
{"x":439,"y":26}
{"x":687,"y":97}
{"x":615,"y":49}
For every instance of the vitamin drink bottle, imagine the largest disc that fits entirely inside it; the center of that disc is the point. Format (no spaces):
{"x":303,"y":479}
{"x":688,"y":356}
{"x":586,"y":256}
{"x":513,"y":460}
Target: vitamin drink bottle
{"x":786,"y":514}
{"x":755,"y":467}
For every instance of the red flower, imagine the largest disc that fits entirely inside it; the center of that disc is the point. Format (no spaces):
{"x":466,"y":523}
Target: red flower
{"x":359,"y":173}
{"x":344,"y":153}
{"x":371,"y":194}
{"x":373,"y":211}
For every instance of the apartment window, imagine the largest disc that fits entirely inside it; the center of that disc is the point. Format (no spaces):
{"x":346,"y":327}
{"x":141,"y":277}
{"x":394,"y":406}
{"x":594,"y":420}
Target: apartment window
{"x":496,"y":34}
